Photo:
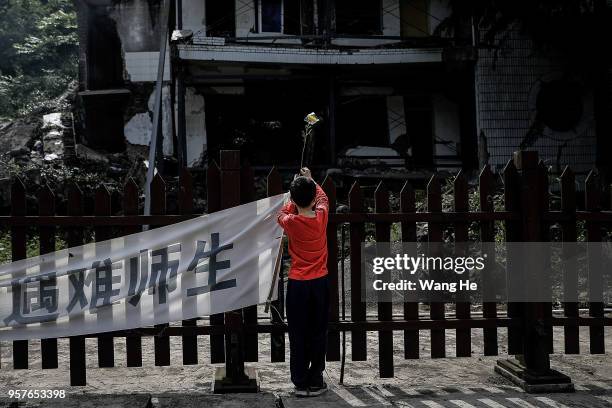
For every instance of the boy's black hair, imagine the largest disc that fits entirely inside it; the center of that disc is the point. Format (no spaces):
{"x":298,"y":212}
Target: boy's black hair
{"x":303,"y":191}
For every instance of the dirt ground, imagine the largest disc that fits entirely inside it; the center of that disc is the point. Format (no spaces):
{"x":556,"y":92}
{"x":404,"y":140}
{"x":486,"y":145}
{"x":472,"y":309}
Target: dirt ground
{"x":426,"y":372}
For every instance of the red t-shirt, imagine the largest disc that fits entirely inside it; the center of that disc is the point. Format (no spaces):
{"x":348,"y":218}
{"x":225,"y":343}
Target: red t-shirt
{"x":307,"y":238}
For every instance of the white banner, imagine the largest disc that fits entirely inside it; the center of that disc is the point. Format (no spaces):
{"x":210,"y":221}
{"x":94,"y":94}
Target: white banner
{"x":210,"y":264}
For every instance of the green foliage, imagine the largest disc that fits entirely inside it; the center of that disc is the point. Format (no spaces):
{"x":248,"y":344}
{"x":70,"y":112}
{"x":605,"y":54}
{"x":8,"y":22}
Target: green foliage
{"x":38,"y":53}
{"x":32,"y":244}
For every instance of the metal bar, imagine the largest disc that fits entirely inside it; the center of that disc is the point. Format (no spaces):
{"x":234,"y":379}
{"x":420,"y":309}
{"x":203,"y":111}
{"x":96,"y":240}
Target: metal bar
{"x":352,"y":217}
{"x":158,"y":105}
{"x":369,"y":325}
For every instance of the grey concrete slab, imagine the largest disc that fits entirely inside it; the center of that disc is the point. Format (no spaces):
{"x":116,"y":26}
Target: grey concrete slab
{"x":259,"y":400}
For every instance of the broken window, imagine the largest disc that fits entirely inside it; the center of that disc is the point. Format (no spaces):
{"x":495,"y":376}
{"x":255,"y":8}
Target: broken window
{"x":362,"y":121}
{"x":359,"y":17}
{"x":220,"y":18}
{"x":414,"y":16}
{"x":271,"y":16}
{"x":265,"y":123}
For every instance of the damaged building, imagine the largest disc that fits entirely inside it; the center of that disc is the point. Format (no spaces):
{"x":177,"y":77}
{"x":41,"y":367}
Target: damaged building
{"x":389,"y":86}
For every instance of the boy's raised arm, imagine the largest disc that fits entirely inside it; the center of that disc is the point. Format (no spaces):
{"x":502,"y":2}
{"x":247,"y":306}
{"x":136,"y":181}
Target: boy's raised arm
{"x":285,"y":213}
{"x":321,"y":200}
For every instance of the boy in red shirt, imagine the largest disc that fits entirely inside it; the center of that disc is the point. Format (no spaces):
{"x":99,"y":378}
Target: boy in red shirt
{"x":304,"y":220}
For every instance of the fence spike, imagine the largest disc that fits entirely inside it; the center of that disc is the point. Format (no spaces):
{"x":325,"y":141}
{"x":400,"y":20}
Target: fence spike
{"x":434,"y":193}
{"x":213,"y":187}
{"x":434,"y":182}
{"x":185,"y":193}
{"x":328,"y":185}
{"x":592,"y":191}
{"x":17,"y":186}
{"x":460,"y":178}
{"x":407,"y":198}
{"x":185,"y":176}
{"x":381,"y":198}
{"x":460,"y":192}
{"x":486,"y":174}
{"x":567,"y":173}
{"x":158,"y":195}
{"x":355,"y":196}
{"x":102,"y":199}
{"x":509,"y":166}
{"x":46,"y":194}
{"x":130,"y":196}
{"x":406,"y":188}
{"x":274,"y":182}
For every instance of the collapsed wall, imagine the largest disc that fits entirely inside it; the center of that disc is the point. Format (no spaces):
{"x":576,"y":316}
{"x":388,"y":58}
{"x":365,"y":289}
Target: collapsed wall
{"x":119,"y":54}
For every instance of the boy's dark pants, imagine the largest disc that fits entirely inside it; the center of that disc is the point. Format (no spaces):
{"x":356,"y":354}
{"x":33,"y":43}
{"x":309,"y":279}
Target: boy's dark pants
{"x":307,"y":313}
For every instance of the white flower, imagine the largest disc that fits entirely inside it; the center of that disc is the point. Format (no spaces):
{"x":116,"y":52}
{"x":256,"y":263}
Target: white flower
{"x":311,"y":119}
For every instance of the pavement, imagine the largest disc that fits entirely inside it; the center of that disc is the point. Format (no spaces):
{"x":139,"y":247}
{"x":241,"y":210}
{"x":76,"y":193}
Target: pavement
{"x":426,"y":382}
{"x":588,"y":395}
{"x":594,"y":395}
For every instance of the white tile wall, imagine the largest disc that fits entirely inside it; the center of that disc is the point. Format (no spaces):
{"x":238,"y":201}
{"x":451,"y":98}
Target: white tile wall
{"x":308,"y":56}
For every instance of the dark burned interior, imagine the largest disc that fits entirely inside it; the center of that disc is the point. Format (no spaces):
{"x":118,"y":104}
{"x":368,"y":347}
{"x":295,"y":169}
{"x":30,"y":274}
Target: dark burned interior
{"x":266,"y":121}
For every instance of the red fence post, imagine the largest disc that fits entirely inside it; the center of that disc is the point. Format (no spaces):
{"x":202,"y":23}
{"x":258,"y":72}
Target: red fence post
{"x":358,"y":307}
{"x":461,"y":203}
{"x":512,"y":202}
{"x":277,"y":339}
{"x":106,"y":344}
{"x":435,"y":236}
{"x":185,"y":202}
{"x":592,"y":192}
{"x":249,"y":313}
{"x":18,"y":251}
{"x":411,"y":309}
{"x":213,"y":197}
{"x":384,"y":306}
{"x":487,"y":235}
{"x":531,"y":370}
{"x":78,"y":373}
{"x":46,"y":206}
{"x":158,"y":207}
{"x":234,"y":378}
{"x":133,"y":342}
{"x":570,"y":272}
{"x":333,"y":336}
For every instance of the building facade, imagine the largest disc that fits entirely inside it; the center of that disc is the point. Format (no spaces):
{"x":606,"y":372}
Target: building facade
{"x":388,"y":84}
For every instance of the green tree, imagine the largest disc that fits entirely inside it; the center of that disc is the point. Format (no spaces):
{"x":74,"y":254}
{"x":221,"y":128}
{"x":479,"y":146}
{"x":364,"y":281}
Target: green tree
{"x":38,"y":53}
